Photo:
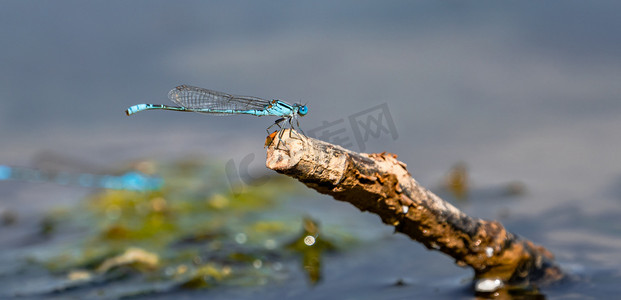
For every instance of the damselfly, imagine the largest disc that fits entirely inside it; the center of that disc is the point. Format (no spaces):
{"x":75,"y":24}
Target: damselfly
{"x":195,"y":99}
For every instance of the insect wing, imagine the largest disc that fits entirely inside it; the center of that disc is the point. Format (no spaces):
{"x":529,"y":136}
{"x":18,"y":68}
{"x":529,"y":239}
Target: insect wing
{"x":203,"y":99}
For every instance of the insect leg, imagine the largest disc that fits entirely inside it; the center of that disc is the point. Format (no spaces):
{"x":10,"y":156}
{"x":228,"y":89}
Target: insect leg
{"x":276,"y":123}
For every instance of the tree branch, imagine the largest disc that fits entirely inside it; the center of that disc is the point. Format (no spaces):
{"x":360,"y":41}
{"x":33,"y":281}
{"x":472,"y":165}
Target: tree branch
{"x":381,"y":184}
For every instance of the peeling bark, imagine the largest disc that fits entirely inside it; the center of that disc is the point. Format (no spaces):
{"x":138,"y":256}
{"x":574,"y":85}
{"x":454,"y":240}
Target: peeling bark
{"x":381,"y":184}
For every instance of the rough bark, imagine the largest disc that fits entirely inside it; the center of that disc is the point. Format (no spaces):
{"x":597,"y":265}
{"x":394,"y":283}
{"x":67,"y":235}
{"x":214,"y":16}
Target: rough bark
{"x":381,"y":184}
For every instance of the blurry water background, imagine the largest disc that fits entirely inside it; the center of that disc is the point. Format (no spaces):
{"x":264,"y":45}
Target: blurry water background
{"x":518,"y":91}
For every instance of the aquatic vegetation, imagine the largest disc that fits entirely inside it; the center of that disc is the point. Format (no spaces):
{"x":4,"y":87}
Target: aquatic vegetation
{"x":192,"y":233}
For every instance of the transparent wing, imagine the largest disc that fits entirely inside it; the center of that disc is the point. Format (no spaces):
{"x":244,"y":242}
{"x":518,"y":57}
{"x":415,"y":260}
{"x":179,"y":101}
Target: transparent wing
{"x":200,"y":98}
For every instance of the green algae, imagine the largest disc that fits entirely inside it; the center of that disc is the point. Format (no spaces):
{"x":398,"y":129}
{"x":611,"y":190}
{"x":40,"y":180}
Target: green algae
{"x":193,"y":233}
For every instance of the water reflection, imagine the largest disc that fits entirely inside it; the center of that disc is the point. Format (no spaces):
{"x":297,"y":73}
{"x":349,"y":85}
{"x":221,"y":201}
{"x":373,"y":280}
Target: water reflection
{"x":457,"y":185}
{"x":311,"y":249}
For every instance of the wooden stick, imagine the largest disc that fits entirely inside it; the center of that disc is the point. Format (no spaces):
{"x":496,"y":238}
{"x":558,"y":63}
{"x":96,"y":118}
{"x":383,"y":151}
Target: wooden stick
{"x":381,"y":184}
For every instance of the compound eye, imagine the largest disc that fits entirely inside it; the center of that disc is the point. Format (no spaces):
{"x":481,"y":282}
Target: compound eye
{"x":303,"y":110}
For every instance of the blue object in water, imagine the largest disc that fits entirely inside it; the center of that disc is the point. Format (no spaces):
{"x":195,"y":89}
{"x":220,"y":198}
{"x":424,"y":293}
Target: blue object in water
{"x":5,"y":172}
{"x":129,"y":181}
{"x":195,"y":99}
